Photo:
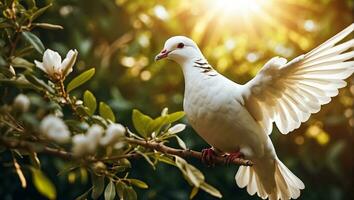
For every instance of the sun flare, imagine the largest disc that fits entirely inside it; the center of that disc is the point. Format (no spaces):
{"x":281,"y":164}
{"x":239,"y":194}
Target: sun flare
{"x":238,"y":7}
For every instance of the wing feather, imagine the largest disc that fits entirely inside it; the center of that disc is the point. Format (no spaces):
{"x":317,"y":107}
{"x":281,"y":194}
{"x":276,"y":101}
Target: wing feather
{"x":287,"y":93}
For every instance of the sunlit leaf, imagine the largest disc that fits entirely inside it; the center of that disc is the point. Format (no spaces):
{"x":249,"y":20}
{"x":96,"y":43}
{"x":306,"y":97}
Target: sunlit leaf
{"x":110,"y":191}
{"x":176,"y":128}
{"x":139,"y":183}
{"x":20,"y":173}
{"x":106,"y":112}
{"x":211,"y":190}
{"x":81,"y":79}
{"x":173,"y":117}
{"x":48,"y":26}
{"x":90,"y":102}
{"x":35,"y":160}
{"x":141,"y":123}
{"x":34,"y":40}
{"x":193,"y":192}
{"x":43,"y":184}
{"x":181,"y":142}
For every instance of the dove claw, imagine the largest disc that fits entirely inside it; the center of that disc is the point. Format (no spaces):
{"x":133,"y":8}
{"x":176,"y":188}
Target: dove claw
{"x":208,"y":157}
{"x":229,"y":158}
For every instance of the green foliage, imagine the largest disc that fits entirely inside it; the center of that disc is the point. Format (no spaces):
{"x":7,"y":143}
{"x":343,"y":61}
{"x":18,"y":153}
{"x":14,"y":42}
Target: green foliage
{"x":139,"y":183}
{"x":80,"y":79}
{"x":145,"y":125}
{"x":195,"y":178}
{"x":97,"y":186}
{"x":110,"y":191}
{"x":43,"y":184}
{"x":34,"y":40}
{"x":106,"y":112}
{"x":90,"y":102}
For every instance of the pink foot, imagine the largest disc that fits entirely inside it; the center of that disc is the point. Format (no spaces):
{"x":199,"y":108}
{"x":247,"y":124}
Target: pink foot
{"x":208,"y":156}
{"x":232,"y":156}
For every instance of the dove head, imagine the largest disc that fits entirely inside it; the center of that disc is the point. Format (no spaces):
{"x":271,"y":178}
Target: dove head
{"x":179,"y":49}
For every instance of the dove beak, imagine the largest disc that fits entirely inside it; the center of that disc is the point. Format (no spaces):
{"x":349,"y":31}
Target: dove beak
{"x":162,"y":54}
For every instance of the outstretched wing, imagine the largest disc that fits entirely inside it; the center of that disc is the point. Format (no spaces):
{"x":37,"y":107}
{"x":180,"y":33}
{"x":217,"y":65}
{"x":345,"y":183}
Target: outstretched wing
{"x":288,"y":93}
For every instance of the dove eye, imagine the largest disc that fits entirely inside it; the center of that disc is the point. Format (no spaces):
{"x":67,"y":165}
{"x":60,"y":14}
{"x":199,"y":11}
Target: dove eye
{"x":180,"y":45}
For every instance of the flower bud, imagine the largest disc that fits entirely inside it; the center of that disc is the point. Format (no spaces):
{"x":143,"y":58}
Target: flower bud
{"x":22,"y":103}
{"x":113,"y":134}
{"x":176,"y":128}
{"x":55,"y":129}
{"x":87,"y":143}
{"x":80,"y":143}
{"x":94,"y":134}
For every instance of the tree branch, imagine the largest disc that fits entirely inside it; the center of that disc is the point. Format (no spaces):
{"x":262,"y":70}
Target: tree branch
{"x":185,"y":153}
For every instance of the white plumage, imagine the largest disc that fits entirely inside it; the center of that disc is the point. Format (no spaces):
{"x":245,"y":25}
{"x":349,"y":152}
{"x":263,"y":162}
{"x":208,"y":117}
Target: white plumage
{"x":287,"y":93}
{"x":233,"y":117}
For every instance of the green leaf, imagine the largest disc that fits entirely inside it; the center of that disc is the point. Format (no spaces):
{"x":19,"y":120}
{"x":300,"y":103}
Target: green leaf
{"x":194,"y":192}
{"x":130,"y":194}
{"x":48,"y":26}
{"x":181,"y":142}
{"x":34,"y":40}
{"x":39,"y":83}
{"x":211,"y":190}
{"x":81,"y":79}
{"x":84,"y":195}
{"x":43,"y":184}
{"x":190,"y":173}
{"x":106,"y":112}
{"x":146,"y":157}
{"x":120,"y":187}
{"x":34,"y":160}
{"x":139,"y":183}
{"x":167,"y":160}
{"x":21,"y":62}
{"x":173,"y":117}
{"x":98,"y":185}
{"x":166,"y":119}
{"x":110,"y":191}
{"x":141,"y":123}
{"x":90,"y":102}
{"x":99,"y":120}
{"x":39,"y":12}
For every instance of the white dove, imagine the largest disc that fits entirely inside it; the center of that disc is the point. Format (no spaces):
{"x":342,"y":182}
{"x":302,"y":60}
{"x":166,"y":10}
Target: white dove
{"x":237,"y":119}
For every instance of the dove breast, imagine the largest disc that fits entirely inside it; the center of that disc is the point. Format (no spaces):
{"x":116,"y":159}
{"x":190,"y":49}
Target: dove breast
{"x":213,"y":110}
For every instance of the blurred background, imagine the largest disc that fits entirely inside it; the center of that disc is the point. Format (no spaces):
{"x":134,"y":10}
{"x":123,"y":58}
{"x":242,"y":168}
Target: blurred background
{"x":120,"y":39}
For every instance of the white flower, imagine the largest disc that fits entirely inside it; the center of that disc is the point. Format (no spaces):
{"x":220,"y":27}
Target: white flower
{"x":54,"y":67}
{"x":113,"y":134}
{"x":22,"y":103}
{"x":176,"y":128}
{"x":55,"y":129}
{"x":87,"y":143}
{"x":80,"y":143}
{"x":94,"y":134}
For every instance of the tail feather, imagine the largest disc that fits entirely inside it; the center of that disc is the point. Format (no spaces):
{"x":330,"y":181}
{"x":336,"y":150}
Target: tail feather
{"x":252,"y":186}
{"x":284,"y":184}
